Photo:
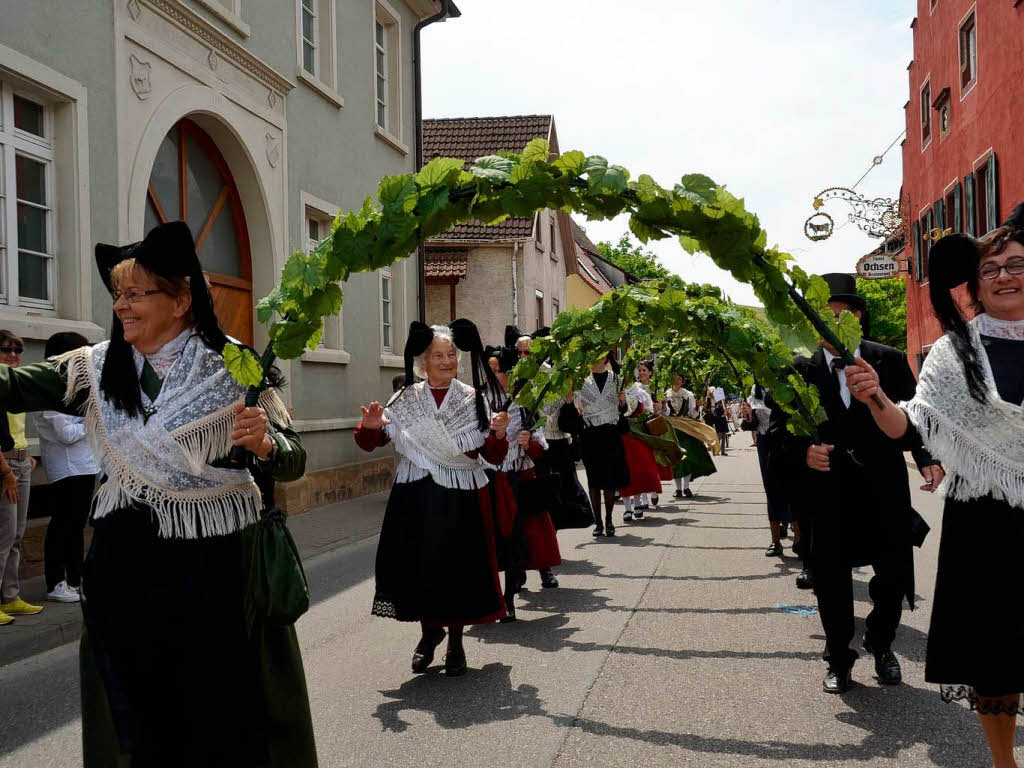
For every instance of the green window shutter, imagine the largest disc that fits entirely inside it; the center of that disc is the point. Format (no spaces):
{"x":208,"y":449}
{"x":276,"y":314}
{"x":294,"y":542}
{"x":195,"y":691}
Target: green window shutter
{"x":992,"y":194}
{"x":940,"y":218}
{"x":929,"y":225}
{"x":957,"y":209}
{"x":917,"y":252}
{"x":969,"y":217}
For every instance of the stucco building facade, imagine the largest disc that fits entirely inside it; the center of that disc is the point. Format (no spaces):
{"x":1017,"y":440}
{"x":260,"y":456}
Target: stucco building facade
{"x":255,"y":121}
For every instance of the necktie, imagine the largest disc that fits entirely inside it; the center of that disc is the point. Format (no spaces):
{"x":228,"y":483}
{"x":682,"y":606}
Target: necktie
{"x":837,"y":366}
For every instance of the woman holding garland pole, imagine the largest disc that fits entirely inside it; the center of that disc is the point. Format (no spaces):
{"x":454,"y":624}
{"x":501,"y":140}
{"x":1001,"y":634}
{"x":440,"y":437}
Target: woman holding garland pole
{"x":174,"y":525}
{"x":680,"y":405}
{"x":969,"y":413}
{"x":436,"y":560}
{"x":600,"y":406}
{"x":644,"y":477}
{"x":525,"y":536}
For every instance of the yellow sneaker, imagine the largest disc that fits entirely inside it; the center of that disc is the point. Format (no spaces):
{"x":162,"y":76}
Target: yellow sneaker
{"x":19,"y":606}
{"x":5,"y":619}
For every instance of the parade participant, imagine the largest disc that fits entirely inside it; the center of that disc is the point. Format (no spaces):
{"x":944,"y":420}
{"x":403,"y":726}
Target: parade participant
{"x":600,"y":405}
{"x":16,"y":466}
{"x":645,"y":371}
{"x":758,"y":412}
{"x":644,"y":477}
{"x":571,"y":507}
{"x":680,"y":405}
{"x":856,"y":479}
{"x":174,"y":524}
{"x":436,"y":561}
{"x":525,"y":535}
{"x":967,"y":411}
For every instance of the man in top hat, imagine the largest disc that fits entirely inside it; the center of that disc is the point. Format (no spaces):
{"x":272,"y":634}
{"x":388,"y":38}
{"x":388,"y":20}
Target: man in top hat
{"x":857,"y":496}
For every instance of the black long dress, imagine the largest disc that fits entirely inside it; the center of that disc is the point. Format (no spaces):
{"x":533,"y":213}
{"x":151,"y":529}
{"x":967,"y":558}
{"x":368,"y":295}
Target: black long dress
{"x":976,"y":638}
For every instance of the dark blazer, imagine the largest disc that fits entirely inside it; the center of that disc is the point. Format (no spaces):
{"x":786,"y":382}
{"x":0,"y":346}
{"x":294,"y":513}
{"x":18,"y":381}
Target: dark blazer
{"x":861,"y":507}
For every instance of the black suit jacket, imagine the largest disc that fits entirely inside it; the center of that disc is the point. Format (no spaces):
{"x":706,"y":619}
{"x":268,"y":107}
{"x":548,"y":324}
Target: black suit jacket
{"x":861,"y":507}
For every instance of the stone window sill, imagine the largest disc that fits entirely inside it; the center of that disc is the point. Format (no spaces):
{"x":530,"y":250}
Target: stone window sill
{"x":41,"y":327}
{"x":388,"y":360}
{"x":233,"y":20}
{"x":334,"y":356}
{"x":390,"y":139}
{"x":320,"y":87}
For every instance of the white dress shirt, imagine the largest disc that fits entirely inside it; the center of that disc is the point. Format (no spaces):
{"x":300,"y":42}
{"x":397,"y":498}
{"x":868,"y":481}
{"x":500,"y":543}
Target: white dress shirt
{"x":844,"y":390}
{"x":63,"y":444}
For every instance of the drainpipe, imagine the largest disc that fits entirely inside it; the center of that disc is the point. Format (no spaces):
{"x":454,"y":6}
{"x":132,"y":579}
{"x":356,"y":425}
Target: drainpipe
{"x":448,"y":11}
{"x":515,"y":285}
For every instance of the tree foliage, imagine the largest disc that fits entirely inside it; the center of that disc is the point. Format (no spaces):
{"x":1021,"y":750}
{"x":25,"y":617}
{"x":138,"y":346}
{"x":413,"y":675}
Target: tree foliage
{"x":628,"y":256}
{"x":887,"y":309}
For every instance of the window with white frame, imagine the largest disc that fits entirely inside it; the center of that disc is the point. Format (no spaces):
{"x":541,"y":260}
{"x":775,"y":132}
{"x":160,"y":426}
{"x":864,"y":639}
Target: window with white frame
{"x":27,"y":247}
{"x":317,"y":47}
{"x":968,"y":52}
{"x":386,"y":69}
{"x":386,"y":310}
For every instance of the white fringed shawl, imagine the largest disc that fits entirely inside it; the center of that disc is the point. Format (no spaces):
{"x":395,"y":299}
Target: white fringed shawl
{"x":163,"y":462}
{"x":433,"y":440}
{"x":980,"y":445}
{"x":600,"y":406}
{"x":517,"y":459}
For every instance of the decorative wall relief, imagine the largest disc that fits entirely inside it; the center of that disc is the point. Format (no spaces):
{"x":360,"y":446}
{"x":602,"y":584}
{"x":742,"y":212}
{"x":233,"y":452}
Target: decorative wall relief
{"x":213,"y":60}
{"x":139,"y":77}
{"x":134,"y":9}
{"x":273,"y":150}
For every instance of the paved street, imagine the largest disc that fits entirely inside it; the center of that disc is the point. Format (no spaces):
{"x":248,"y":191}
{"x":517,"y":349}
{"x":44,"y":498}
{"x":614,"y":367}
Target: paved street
{"x":669,"y":645}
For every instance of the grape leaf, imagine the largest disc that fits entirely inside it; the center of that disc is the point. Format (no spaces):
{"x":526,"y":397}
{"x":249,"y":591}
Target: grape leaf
{"x":818,"y":292}
{"x":398,"y":192}
{"x":604,"y":177}
{"x":493,"y":168}
{"x":697,"y":188}
{"x":536,"y":151}
{"x":438,"y":172}
{"x":242,"y":365}
{"x":572,"y":162}
{"x":303,"y":273}
{"x":848,"y":330}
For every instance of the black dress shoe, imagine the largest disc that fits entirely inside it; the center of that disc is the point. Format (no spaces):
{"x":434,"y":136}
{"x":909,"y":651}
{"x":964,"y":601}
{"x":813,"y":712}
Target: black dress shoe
{"x":548,"y":580}
{"x":598,"y":530}
{"x":887,"y":666}
{"x":424,"y":653}
{"x":627,"y":516}
{"x":455,"y":663}
{"x":837,"y":681}
{"x":678,"y":494}
{"x":654,"y":500}
{"x":805,"y":580}
{"x":638,"y":514}
{"x":510,"y":610}
{"x":688,"y":493}
{"x":609,"y":526}
{"x":774,"y":550}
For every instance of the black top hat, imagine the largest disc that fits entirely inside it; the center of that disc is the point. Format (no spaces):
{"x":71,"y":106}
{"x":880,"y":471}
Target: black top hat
{"x":843,"y":287}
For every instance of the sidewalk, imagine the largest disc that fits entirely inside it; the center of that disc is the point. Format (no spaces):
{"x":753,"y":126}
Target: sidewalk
{"x":317,"y":531}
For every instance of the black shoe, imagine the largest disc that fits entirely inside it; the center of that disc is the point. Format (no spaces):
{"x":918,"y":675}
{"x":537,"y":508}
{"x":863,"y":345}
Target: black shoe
{"x":837,"y":681}
{"x":627,"y":516}
{"x":548,"y":580}
{"x":609,"y":526}
{"x":455,"y":663}
{"x":510,"y":610}
{"x":688,"y":493}
{"x":805,"y":580}
{"x":678,"y":494}
{"x":598,"y":529}
{"x":639,"y":514}
{"x":654,"y":500}
{"x":784,"y":531}
{"x":424,"y":653}
{"x":774,"y":550}
{"x":887,"y":666}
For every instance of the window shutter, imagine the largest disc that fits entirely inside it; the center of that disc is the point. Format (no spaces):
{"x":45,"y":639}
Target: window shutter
{"x":917,"y":251}
{"x":940,"y":218}
{"x":969,"y":217}
{"x":929,"y":225}
{"x":957,"y":208}
{"x":992,"y":194}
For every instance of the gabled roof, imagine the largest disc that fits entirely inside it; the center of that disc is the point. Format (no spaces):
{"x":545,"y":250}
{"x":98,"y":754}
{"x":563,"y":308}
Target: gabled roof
{"x":468,"y":138}
{"x":446,"y":265}
{"x":612,"y":274}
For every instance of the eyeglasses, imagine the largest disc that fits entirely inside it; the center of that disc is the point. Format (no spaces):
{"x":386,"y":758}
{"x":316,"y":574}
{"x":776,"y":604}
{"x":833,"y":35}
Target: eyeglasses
{"x":991,"y":270}
{"x":12,"y":350}
{"x":132,"y":295}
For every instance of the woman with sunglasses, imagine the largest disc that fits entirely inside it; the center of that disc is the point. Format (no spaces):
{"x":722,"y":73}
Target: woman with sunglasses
{"x":178,"y":664}
{"x":15,"y":482}
{"x":968,"y":413}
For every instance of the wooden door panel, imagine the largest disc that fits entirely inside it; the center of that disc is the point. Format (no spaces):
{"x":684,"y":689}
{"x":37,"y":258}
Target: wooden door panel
{"x":234,"y":310}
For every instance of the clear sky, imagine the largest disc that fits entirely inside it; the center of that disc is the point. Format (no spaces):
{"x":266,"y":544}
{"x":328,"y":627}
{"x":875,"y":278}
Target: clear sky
{"x":777,"y":100}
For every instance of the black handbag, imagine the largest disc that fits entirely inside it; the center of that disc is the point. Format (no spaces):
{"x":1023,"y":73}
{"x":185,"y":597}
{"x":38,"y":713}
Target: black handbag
{"x":277,"y":592}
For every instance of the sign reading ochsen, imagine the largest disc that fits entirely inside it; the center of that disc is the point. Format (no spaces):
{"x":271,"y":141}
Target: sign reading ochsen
{"x":875,"y":266}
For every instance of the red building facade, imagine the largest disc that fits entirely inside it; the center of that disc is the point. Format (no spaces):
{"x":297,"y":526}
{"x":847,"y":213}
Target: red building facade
{"x":963,"y":156}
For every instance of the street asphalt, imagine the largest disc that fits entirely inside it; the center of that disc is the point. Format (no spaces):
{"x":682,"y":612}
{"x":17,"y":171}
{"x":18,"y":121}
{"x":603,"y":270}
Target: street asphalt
{"x":676,"y":643}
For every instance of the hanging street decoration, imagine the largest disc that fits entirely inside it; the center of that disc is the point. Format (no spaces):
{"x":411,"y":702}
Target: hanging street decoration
{"x":877,"y":217}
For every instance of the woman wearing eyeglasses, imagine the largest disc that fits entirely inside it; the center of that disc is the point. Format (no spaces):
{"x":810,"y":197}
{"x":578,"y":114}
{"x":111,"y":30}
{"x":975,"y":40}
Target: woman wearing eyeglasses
{"x":174,"y":669}
{"x":968,"y":413}
{"x":15,"y":482}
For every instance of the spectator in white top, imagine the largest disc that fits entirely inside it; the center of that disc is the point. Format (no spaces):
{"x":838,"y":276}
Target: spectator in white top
{"x":71,"y":468}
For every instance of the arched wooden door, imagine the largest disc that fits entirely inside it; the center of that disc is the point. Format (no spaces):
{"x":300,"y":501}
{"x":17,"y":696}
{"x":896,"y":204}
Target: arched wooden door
{"x":190,"y":181}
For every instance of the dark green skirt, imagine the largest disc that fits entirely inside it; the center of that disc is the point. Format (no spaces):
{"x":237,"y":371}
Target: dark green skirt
{"x":170,"y":675}
{"x":697,"y":462}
